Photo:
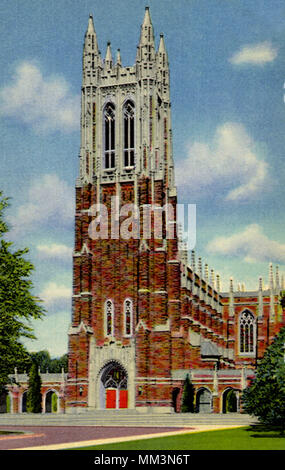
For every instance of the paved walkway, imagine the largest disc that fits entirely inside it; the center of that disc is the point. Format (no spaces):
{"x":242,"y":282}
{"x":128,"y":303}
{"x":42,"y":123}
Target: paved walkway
{"x":56,"y":437}
{"x":68,"y":437}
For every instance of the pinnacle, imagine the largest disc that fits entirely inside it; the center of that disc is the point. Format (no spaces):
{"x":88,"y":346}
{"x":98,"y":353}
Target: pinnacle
{"x":147,"y":18}
{"x":108,"y":58}
{"x":147,"y":36}
{"x":90,"y":28}
{"x":161,"y":47}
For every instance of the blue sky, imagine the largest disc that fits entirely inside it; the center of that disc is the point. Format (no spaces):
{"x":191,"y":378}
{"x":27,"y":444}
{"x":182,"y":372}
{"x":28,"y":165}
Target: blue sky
{"x":227,"y":68}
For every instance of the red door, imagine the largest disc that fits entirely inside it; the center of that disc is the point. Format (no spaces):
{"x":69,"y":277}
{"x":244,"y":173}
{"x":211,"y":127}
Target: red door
{"x":111,"y":398}
{"x":123,"y":399}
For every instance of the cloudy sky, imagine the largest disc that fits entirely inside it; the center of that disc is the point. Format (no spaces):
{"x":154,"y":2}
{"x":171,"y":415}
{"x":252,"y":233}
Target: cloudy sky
{"x":227,"y":62}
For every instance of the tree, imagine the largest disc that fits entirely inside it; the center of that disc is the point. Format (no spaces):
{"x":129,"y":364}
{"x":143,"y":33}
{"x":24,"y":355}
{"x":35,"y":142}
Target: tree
{"x":17,"y":305}
{"x":34,"y":396}
{"x":48,"y":364}
{"x":188,"y":396}
{"x":265,"y":397}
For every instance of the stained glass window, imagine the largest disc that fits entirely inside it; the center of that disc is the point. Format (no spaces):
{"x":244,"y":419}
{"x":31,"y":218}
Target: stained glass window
{"x":246,"y":332}
{"x":109,"y":315}
{"x":109,"y":137}
{"x":129,"y":134}
{"x":128,"y":311}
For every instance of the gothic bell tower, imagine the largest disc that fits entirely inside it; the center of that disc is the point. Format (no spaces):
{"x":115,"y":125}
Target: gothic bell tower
{"x":126,"y":291}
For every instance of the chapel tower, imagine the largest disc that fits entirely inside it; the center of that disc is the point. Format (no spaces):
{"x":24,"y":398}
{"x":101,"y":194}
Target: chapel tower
{"x":126,"y":282}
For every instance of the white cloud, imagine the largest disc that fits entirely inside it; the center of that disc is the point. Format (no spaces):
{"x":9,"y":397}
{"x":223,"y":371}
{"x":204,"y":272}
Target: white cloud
{"x":255,"y":54}
{"x":45,"y":103}
{"x":54,"y":293}
{"x":50,"y":202}
{"x":55,"y":251}
{"x":251,"y":244}
{"x":230,"y":163}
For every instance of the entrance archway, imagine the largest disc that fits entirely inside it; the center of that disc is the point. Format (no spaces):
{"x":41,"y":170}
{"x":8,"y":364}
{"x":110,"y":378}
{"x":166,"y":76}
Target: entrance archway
{"x":5,"y":402}
{"x":204,"y":401}
{"x":230,"y":402}
{"x":175,"y":394}
{"x":51,"y":402}
{"x":114,"y":386}
{"x":24,"y":402}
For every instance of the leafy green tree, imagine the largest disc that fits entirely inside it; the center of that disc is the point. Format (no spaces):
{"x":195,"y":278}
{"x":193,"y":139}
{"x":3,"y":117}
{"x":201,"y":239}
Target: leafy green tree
{"x":34,"y":396}
{"x":17,"y":305}
{"x":188,"y":396}
{"x":48,"y":364}
{"x":265,"y":397}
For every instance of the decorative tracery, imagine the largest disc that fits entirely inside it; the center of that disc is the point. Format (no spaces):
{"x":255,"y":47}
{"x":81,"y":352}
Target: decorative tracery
{"x":247,"y":332}
{"x":129,"y":134}
{"x":128,"y":312}
{"x":109,"y":317}
{"x":109,"y":136}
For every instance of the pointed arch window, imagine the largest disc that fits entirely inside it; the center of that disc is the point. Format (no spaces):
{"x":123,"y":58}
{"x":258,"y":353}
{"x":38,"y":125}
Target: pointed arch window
{"x":109,"y":318}
{"x":109,"y":136}
{"x":129,"y":133}
{"x":247,"y":333}
{"x":128,"y":317}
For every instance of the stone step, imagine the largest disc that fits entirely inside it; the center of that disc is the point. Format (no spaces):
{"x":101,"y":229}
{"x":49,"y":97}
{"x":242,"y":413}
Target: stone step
{"x":117,"y":419}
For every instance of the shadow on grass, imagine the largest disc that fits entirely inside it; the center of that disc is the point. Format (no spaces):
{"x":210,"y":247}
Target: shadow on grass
{"x":263,"y":430}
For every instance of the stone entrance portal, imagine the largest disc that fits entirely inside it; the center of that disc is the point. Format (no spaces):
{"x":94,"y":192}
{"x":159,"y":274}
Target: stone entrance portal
{"x":114,"y":386}
{"x":204,"y":401}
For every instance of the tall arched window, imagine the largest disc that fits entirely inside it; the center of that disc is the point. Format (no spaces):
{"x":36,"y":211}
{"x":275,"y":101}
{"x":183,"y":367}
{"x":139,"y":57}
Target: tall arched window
{"x":129,"y":133}
{"x":128,"y":317}
{"x":109,"y":318}
{"x":246,"y":333}
{"x":109,"y":136}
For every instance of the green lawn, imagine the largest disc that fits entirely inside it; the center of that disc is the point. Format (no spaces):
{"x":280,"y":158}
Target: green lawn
{"x":245,"y":438}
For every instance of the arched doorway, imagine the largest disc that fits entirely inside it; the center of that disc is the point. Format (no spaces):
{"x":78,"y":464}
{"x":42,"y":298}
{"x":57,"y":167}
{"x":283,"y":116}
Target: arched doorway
{"x":24,"y":402}
{"x":175,"y":394}
{"x":204,"y":401}
{"x":51,"y":402}
{"x":5,"y":402}
{"x":114,"y":386}
{"x":230,"y":401}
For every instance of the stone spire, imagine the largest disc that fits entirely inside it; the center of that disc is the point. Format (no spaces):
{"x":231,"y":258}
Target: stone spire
{"x":90,"y":27}
{"x":193,"y":261}
{"x":271,"y":287}
{"x":162,"y":57}
{"x":218,"y":285}
{"x":147,"y":34}
{"x":200,"y":271}
{"x":260,"y":297}
{"x":271,"y":281}
{"x":277,"y":278}
{"x":231,"y":298}
{"x":91,"y":53}
{"x":146,"y":47}
{"x":206,"y":273}
{"x":162,"y":69}
{"x":213,"y":278}
{"x":119,"y":60}
{"x":90,"y":41}
{"x":161,"y":47}
{"x":108,"y":58}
